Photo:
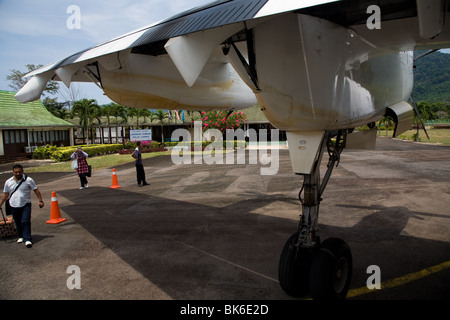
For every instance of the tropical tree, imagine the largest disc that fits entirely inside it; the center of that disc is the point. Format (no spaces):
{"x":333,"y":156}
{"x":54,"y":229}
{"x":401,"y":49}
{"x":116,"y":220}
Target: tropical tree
{"x":387,"y":122}
{"x":86,"y":110}
{"x":441,"y":115}
{"x":58,"y":109}
{"x":107,"y":110}
{"x":425,"y":110}
{"x":194,"y":117}
{"x":147,"y":114}
{"x":160,"y":115}
{"x":18,"y":79}
{"x":441,"y":110}
{"x":119,"y":112}
{"x":138,"y":112}
{"x":425,"y":113}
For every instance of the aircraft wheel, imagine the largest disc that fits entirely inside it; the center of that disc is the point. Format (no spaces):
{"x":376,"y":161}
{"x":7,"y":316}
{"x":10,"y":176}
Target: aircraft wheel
{"x":294,"y":268}
{"x":331,"y":270}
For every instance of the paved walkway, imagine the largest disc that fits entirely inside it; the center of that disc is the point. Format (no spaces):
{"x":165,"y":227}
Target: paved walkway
{"x":216,"y":231}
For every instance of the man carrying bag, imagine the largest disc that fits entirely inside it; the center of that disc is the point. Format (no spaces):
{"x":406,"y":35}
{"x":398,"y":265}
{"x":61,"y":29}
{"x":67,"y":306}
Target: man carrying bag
{"x":18,"y":190}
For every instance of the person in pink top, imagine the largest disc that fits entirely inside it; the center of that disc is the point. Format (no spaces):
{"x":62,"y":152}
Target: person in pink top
{"x":82,"y":169}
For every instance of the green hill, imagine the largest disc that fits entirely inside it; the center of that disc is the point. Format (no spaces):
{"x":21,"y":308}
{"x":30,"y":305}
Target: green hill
{"x":432,"y":78}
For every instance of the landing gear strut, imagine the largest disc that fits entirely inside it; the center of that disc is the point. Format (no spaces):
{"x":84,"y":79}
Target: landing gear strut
{"x":308,"y":266}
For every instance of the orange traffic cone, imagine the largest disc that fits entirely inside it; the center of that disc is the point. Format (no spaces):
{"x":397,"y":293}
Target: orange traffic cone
{"x":55,"y":214}
{"x":115,"y":182}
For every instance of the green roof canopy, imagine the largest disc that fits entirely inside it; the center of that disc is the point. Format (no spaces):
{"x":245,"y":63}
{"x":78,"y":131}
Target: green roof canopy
{"x":26,"y":115}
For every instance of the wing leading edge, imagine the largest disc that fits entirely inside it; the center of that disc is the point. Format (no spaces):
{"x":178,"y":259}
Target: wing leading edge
{"x":167,"y":36}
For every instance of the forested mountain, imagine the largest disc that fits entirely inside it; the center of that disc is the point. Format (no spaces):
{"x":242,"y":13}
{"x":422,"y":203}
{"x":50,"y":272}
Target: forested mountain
{"x":432,"y":78}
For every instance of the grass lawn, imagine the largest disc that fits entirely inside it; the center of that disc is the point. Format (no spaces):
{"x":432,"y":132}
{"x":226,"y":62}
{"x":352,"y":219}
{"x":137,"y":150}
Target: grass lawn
{"x":105,"y":161}
{"x":441,"y":136}
{"x":96,"y":162}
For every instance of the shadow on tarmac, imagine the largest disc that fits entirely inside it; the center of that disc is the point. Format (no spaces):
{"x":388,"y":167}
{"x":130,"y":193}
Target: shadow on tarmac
{"x":197,"y":251}
{"x":226,"y":245}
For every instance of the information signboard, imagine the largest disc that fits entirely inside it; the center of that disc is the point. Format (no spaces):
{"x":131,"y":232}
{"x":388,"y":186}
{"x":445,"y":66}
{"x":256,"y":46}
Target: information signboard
{"x":141,"y":135}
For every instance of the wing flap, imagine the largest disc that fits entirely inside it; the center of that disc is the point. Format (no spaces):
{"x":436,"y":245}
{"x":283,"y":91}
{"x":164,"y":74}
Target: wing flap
{"x":191,"y":52}
{"x":66,"y":73}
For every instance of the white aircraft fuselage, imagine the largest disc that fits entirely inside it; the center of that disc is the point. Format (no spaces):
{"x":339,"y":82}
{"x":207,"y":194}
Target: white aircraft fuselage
{"x":312,"y":75}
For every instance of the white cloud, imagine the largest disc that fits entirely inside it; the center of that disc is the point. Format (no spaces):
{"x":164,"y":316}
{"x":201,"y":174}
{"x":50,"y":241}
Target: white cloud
{"x":100,"y":20}
{"x":34,"y":18}
{"x":114,"y":19}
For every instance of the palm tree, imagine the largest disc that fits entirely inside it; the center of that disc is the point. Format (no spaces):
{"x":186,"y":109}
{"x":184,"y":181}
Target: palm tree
{"x":387,"y":122}
{"x":107,"y":110}
{"x":137,"y":112}
{"x":160,"y":115}
{"x":86,"y":110}
{"x":193,"y":116}
{"x":146,"y":113}
{"x":119,"y":112}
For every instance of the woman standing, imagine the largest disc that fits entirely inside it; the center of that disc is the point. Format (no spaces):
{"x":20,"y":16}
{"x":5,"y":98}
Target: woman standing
{"x":82,"y":169}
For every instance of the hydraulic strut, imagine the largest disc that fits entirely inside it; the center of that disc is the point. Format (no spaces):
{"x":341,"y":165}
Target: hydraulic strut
{"x":313,"y":188}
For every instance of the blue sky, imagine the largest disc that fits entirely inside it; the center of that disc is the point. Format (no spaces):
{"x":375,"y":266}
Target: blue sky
{"x":36,"y":32}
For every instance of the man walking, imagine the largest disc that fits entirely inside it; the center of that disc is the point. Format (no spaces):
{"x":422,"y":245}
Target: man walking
{"x":18,"y":188}
{"x":140,"y":173}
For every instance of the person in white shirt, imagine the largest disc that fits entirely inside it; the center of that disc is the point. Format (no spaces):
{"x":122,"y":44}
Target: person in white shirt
{"x":20,"y":187}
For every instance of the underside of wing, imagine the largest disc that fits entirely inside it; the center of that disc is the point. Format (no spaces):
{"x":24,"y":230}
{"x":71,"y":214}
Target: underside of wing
{"x":295,"y":58}
{"x":173,"y":53}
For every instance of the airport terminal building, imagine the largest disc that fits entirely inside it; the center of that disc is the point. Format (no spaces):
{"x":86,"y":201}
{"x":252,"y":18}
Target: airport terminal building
{"x":25,"y":126}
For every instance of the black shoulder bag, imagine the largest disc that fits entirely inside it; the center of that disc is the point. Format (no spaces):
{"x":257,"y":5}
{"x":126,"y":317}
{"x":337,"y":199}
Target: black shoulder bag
{"x":7,"y":205}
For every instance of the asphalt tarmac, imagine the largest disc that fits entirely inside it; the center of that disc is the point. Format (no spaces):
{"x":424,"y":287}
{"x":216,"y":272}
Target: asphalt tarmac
{"x":216,"y":232}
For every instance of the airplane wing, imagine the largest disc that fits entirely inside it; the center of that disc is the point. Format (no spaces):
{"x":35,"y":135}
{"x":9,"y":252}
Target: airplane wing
{"x":223,"y":19}
{"x":179,"y":63}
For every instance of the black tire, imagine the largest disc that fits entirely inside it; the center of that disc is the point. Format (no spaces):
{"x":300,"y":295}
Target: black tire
{"x":294,"y":268}
{"x":331,"y":270}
